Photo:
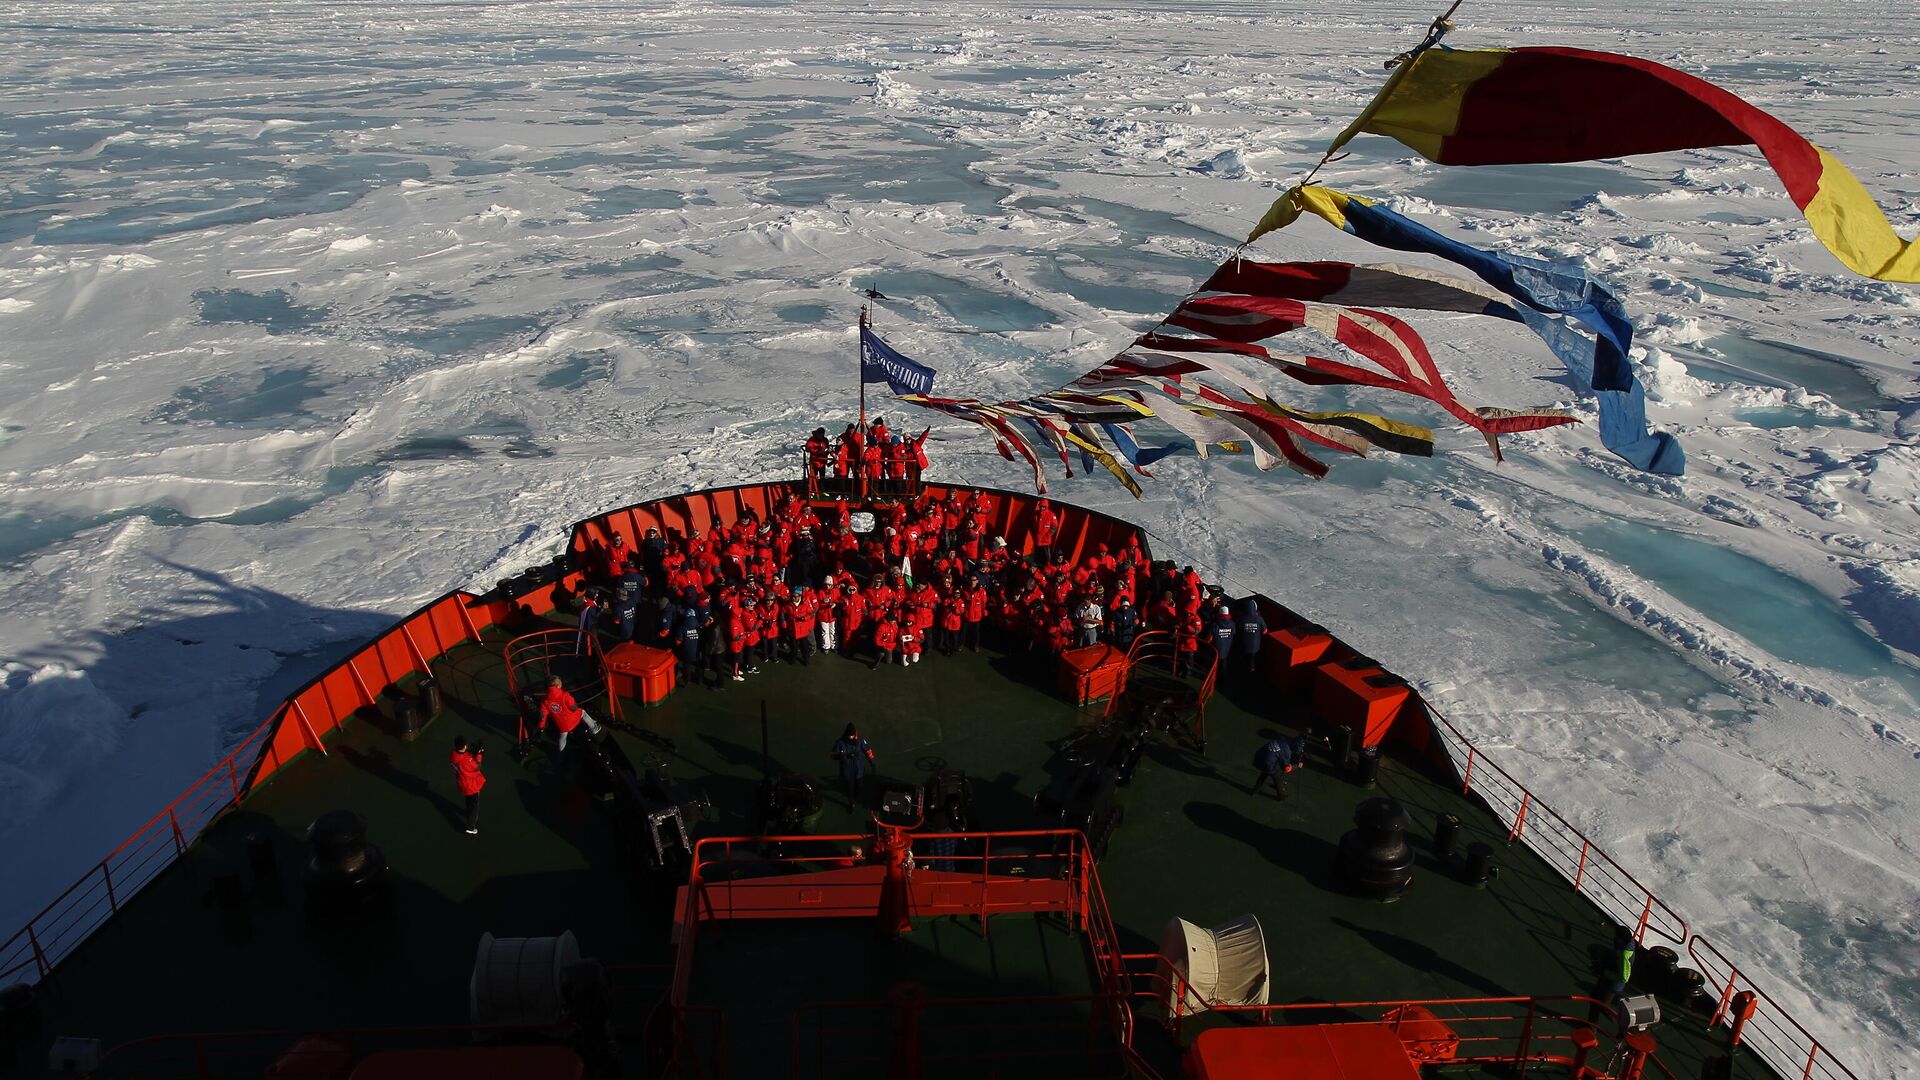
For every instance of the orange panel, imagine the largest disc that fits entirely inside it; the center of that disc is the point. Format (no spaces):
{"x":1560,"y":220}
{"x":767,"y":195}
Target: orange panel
{"x":1314,"y":1052}
{"x":1091,"y":673}
{"x":641,"y":672}
{"x":1344,"y":695}
{"x":1288,"y":657}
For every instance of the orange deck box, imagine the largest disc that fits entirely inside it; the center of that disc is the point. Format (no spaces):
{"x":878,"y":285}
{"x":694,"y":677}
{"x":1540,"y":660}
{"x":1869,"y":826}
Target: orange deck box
{"x":641,"y":672}
{"x":1307,"y":1052}
{"x":1289,"y":656}
{"x":1091,"y":672}
{"x":1355,"y":697}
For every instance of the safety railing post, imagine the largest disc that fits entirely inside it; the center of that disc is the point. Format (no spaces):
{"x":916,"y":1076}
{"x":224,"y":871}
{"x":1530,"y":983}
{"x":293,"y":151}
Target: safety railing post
{"x":1526,"y":1038}
{"x":466,"y":618}
{"x":1580,"y":871}
{"x":1466,"y":780}
{"x":986,"y":860}
{"x":233,"y":779}
{"x":179,"y":839}
{"x":113,"y":902}
{"x":1520,"y":819}
{"x":1812,"y":1054}
{"x":1646,"y":912}
{"x":1726,"y":995}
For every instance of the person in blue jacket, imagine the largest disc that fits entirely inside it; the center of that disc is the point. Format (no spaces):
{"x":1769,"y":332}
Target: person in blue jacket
{"x":1280,"y":756}
{"x":1221,"y":630}
{"x":1249,"y":634}
{"x":1124,"y":623}
{"x":855,"y":758}
{"x":687,"y":633}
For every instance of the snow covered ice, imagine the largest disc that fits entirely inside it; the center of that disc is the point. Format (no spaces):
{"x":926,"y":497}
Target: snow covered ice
{"x":309,"y":313}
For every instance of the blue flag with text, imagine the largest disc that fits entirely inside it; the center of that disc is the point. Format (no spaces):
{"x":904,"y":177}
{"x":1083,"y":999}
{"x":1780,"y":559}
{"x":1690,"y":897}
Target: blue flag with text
{"x":880,"y":363}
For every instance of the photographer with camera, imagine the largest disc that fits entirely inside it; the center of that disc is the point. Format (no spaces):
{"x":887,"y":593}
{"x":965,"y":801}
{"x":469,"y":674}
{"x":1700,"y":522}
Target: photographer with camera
{"x":467,"y":777}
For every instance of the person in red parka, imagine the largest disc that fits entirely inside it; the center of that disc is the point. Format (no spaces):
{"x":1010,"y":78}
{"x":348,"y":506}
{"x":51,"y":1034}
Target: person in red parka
{"x":468,"y":778}
{"x":848,"y":458}
{"x":976,"y":614}
{"x":801,"y":613}
{"x":909,"y":644}
{"x":1187,"y":641}
{"x":952,"y":618}
{"x":559,"y":710}
{"x":917,"y":456}
{"x":1046,"y":525}
{"x":896,"y":461}
{"x":853,"y":615}
{"x":886,"y":638}
{"x":617,"y":554}
{"x":816,"y":458}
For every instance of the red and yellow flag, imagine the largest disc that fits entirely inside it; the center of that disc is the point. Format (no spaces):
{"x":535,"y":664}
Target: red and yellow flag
{"x":1537,"y":105}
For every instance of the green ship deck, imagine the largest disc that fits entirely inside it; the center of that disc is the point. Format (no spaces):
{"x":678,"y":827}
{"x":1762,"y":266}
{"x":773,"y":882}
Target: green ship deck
{"x":1195,"y":843}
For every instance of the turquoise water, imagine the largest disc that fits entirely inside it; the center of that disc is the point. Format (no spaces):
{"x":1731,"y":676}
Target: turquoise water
{"x":1776,"y":418}
{"x":1766,"y":363}
{"x":268,"y":399}
{"x":448,"y":339}
{"x":621,"y":201}
{"x":969,"y":305}
{"x":1775,"y":611}
{"x":1715,"y":287}
{"x":274,"y":310}
{"x":1128,"y":219}
{"x":22,"y":534}
{"x":802,"y":313}
{"x":576,"y":370}
{"x":1528,"y":189}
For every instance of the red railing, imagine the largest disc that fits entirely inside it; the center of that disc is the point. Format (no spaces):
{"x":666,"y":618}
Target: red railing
{"x":542,"y":647}
{"x":1159,"y":647}
{"x":1511,"y":1030}
{"x":1593,"y":873}
{"x":1771,"y":1033}
{"x":1049,"y":870}
{"x":857,"y":485}
{"x":299,"y":725}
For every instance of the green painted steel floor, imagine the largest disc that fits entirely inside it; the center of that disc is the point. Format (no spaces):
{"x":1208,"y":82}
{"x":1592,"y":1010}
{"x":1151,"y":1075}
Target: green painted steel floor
{"x":1195,"y":844}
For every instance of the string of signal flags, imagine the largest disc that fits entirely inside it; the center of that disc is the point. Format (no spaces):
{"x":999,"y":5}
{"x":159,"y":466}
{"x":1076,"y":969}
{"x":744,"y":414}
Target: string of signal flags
{"x":1454,"y":107}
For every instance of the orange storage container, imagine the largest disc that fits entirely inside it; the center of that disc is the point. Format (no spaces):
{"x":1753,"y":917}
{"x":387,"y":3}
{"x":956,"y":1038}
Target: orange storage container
{"x":1364,"y":697}
{"x":1091,"y":673}
{"x":1305,"y":1052}
{"x":1289,"y":656}
{"x":641,"y":672}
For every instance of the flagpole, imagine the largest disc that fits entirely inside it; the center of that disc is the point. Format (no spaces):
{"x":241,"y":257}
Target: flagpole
{"x":859,"y":372}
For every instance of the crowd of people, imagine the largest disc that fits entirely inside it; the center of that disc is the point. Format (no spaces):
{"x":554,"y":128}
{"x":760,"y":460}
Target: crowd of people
{"x":870,"y":453}
{"x":929,"y":576}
